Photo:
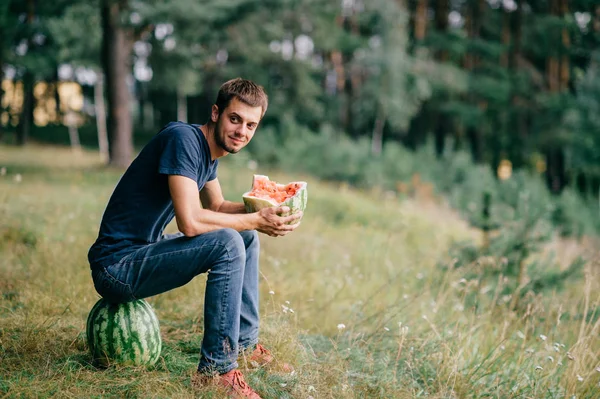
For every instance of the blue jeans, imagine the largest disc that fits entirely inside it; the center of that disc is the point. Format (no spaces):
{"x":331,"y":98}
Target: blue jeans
{"x":229,"y":257}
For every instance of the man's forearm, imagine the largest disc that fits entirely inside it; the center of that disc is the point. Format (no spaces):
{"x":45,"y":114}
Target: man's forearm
{"x":232,"y":207}
{"x":207,"y":220}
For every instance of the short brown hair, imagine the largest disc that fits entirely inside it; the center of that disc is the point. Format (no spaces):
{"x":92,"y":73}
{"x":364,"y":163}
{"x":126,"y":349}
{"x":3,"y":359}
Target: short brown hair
{"x":245,"y":91}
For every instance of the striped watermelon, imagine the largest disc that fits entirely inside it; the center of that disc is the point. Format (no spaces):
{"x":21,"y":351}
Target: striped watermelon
{"x":266,"y":193}
{"x":125,"y":334}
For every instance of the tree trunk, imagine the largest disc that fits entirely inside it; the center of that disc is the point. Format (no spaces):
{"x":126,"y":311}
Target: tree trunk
{"x":517,"y":22}
{"x":26,"y":119}
{"x":182,"y":109}
{"x":441,"y":24}
{"x":377,"y":139}
{"x":555,"y":172}
{"x":505,"y":38}
{"x":474,"y":16}
{"x":421,"y":20}
{"x":552,"y":63}
{"x":564,"y":74}
{"x":116,"y":52}
{"x":71,"y":122}
{"x":476,"y":144}
{"x":100,"y":108}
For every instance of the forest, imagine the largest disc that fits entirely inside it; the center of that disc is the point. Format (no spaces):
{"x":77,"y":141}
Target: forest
{"x":514,"y":84}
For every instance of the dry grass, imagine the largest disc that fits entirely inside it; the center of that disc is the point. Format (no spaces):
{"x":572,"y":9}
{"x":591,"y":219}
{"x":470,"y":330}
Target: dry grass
{"x":410,"y":329}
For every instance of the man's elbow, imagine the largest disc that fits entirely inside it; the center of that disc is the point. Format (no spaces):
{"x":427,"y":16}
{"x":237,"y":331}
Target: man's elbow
{"x":188,"y":232}
{"x":188,"y":229}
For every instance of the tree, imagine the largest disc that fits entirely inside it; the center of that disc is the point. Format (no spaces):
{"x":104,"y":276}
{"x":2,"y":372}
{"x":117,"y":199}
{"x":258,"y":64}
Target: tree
{"x":117,"y":45}
{"x":79,"y":45}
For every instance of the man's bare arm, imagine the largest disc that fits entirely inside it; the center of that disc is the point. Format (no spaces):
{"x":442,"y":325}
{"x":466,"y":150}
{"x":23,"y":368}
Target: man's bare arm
{"x":211,"y":197}
{"x":192,"y":220}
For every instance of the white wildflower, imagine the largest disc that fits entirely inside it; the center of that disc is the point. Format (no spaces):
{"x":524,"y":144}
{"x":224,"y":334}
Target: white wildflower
{"x":18,"y":178}
{"x":520,"y":334}
{"x":579,"y":378}
{"x":405,"y":296}
{"x":341,"y":326}
{"x":529,"y":350}
{"x":543,"y":337}
{"x":284,"y":308}
{"x":271,"y":292}
{"x":539,"y":368}
{"x":571,"y":357}
{"x":550,"y":358}
{"x":311,"y":389}
{"x":3,"y":171}
{"x":556,"y":348}
{"x":598,"y":369}
{"x":386,"y":329}
{"x":287,"y":302}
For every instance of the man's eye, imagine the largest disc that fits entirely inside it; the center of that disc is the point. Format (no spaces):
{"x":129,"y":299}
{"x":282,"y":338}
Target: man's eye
{"x":234,"y":119}
{"x":251,"y":126}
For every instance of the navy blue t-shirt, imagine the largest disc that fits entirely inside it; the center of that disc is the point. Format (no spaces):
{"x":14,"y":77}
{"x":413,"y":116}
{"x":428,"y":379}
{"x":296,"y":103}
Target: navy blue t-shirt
{"x":141,"y":207}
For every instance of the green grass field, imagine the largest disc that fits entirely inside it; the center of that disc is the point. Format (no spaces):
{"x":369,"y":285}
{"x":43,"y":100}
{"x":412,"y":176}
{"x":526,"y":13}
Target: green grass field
{"x":412,"y":328}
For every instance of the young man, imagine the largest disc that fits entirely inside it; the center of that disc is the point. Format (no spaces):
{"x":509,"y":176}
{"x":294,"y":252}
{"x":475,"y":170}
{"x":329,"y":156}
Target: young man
{"x":172,"y":176}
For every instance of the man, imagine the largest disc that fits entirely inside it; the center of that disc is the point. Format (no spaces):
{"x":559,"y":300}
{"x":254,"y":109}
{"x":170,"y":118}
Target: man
{"x":175,"y":175}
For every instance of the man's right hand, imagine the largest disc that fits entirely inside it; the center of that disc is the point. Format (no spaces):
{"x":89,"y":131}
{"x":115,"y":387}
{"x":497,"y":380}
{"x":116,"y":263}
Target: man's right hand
{"x":270,"y":223}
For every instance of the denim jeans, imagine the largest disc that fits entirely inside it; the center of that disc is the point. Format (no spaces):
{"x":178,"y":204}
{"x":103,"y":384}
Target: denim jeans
{"x":229,"y":257}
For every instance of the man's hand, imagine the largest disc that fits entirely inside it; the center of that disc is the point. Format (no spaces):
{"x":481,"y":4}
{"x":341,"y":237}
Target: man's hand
{"x":272,"y":224}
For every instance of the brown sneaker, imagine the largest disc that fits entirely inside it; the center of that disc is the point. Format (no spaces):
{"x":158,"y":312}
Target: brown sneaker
{"x":262,"y":357}
{"x":232,"y":381}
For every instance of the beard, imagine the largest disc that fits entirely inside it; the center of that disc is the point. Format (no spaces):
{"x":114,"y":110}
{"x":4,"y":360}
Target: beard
{"x":220,"y":139}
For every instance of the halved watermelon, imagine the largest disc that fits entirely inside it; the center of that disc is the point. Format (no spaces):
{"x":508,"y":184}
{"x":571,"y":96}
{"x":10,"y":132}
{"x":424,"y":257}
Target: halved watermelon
{"x":266,"y":193}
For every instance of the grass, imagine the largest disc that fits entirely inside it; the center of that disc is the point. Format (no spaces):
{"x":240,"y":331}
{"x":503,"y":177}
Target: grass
{"x":361,"y":260}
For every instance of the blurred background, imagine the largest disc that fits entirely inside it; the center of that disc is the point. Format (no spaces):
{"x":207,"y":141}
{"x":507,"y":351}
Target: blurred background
{"x":381,"y":93}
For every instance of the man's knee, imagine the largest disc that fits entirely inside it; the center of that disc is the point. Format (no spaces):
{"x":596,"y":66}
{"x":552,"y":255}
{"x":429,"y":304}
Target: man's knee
{"x":250,"y":238}
{"x":232,"y":241}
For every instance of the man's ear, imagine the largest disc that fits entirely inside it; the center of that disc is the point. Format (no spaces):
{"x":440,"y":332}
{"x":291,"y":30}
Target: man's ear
{"x":214,"y":115}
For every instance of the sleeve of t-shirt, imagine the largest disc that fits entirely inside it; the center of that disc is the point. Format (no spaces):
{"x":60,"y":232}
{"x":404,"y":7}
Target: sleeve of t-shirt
{"x":181,"y":153}
{"x":213,"y":173}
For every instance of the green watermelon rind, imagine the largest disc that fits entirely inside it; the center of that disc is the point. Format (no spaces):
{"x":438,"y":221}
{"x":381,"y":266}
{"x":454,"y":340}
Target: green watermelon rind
{"x":136,"y":341}
{"x":296,"y":203}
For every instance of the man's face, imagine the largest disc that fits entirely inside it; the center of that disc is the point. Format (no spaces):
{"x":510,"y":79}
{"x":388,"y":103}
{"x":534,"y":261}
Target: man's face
{"x":236,"y":125}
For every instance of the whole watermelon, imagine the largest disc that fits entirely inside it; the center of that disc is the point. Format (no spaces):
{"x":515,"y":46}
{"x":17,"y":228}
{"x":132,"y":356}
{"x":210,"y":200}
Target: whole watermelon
{"x":124,"y":334}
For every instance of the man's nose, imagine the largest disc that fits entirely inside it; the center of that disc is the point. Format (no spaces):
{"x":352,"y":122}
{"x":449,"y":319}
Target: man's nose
{"x":241,"y":130}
